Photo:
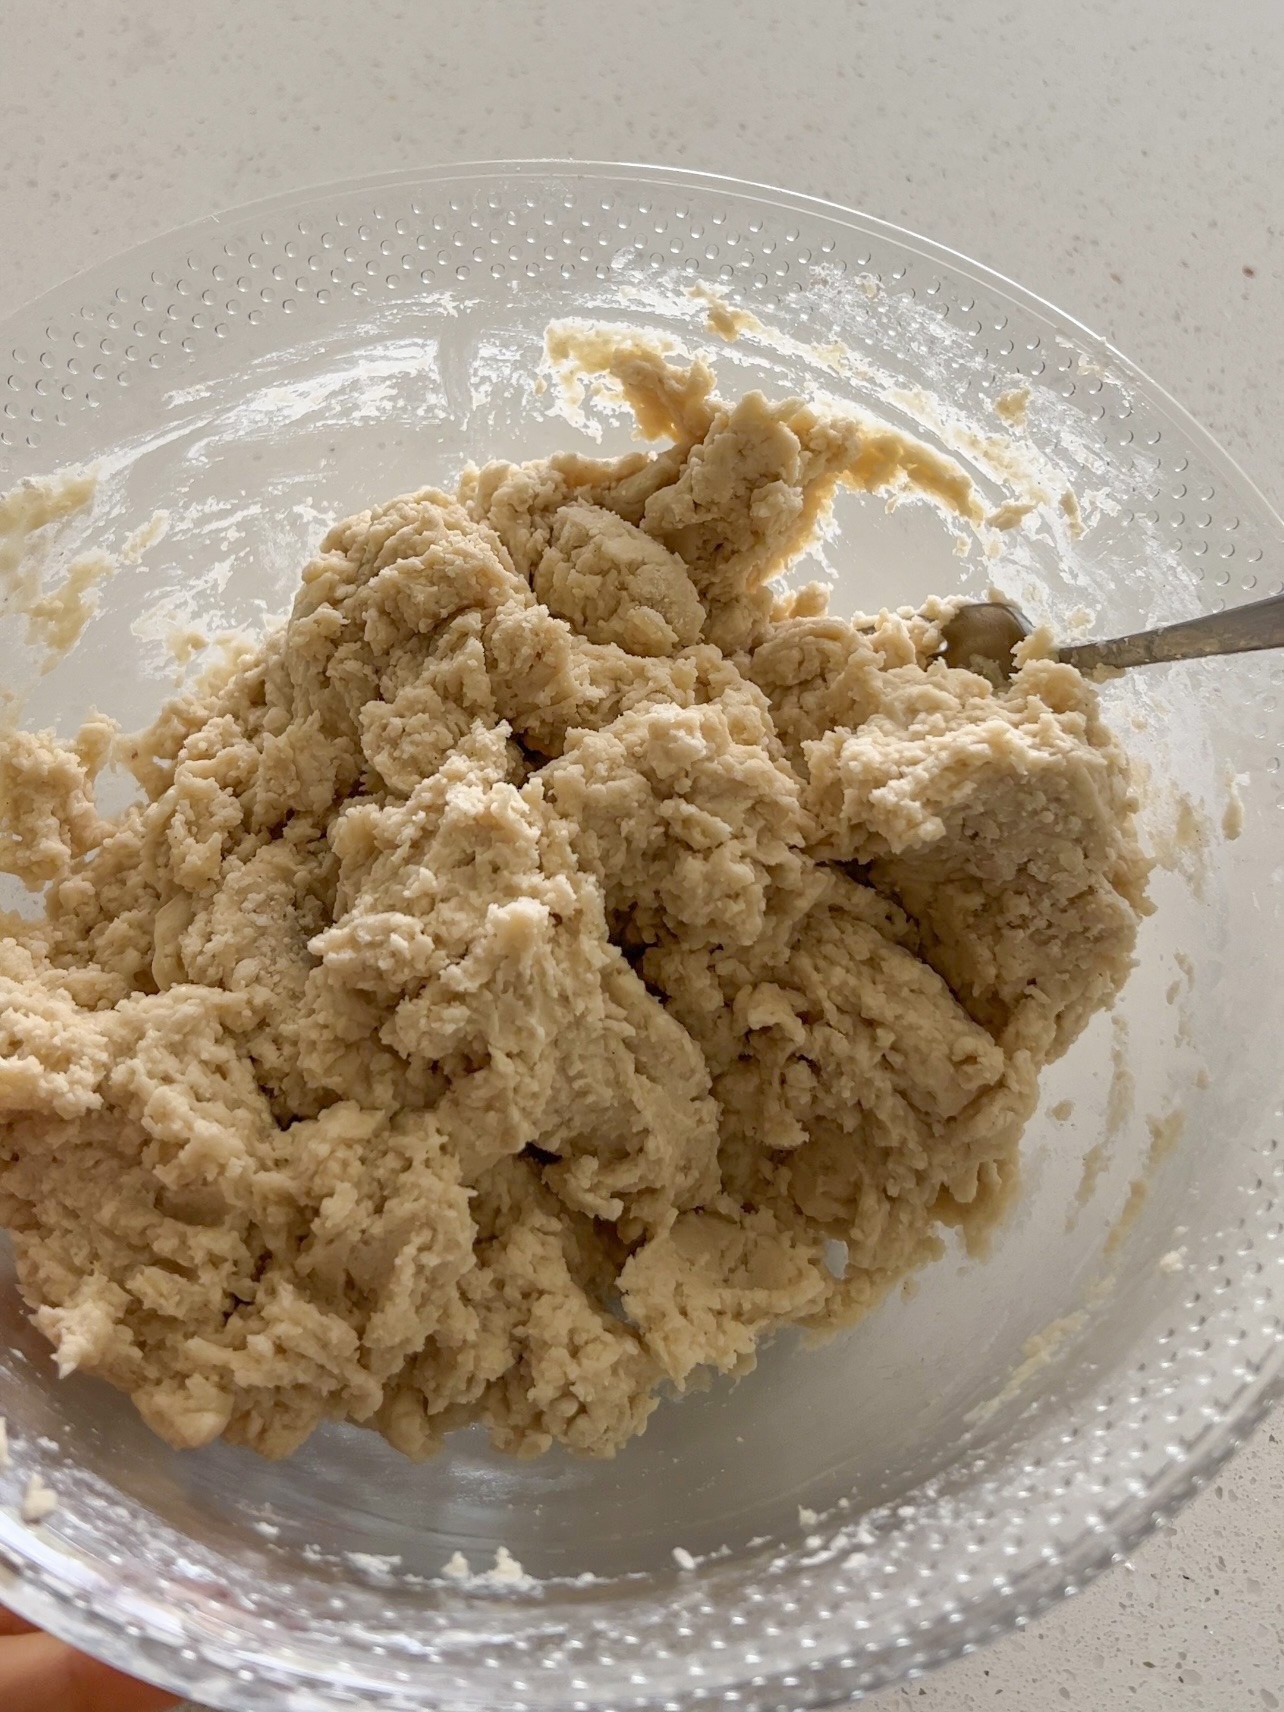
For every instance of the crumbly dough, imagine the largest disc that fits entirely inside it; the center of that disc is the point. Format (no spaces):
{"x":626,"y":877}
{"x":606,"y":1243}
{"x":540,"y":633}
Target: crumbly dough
{"x":30,"y":516}
{"x":524,"y":978}
{"x":38,"y":1501}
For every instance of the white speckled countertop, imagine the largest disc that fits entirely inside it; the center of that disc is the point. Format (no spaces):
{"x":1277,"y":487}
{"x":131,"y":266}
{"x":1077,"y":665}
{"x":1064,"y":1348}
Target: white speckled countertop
{"x":1125,"y":161}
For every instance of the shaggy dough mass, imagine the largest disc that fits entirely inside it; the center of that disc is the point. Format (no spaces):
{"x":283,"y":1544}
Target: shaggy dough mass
{"x":527,"y":975}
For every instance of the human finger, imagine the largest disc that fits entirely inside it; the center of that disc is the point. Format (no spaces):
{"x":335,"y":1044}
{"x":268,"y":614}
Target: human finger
{"x":41,"y":1674}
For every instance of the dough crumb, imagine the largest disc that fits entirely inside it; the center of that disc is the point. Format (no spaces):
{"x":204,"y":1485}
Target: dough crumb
{"x":56,"y":619}
{"x":1165,"y":1131}
{"x":38,"y":1502}
{"x":1233,"y":813}
{"x":723,"y":319}
{"x":30,"y":518}
{"x":683,"y":1558}
{"x":556,"y":960}
{"x":1123,"y":1087}
{"x":1095,"y":1161}
{"x":146,"y":535}
{"x":1173,"y":1261}
{"x":185,"y":642}
{"x":1009,"y":515}
{"x":372,"y":1563}
{"x":1011,"y":405}
{"x":1120,"y":1100}
{"x":1038,"y":1352}
{"x":1129,"y":1213}
{"x":807,"y":1518}
{"x":1062,"y":1112}
{"x":506,"y":1571}
{"x":26,"y":513}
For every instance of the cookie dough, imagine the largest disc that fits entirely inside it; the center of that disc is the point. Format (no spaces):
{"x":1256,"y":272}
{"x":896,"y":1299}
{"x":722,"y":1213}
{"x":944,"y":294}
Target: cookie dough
{"x":558,"y":959}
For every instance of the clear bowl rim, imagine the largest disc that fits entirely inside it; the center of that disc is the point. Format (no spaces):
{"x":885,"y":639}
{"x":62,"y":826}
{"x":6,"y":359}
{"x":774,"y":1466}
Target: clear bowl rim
{"x":34,"y":1584}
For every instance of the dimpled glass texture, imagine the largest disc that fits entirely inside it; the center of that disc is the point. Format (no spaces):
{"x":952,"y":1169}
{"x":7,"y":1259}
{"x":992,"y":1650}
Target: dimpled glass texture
{"x":985,"y":1442}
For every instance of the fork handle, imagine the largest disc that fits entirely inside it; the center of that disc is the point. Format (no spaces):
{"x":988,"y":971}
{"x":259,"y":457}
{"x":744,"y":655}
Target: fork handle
{"x":1238,"y":630}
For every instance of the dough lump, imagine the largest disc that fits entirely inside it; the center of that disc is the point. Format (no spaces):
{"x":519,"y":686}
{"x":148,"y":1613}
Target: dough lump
{"x":524,"y":980}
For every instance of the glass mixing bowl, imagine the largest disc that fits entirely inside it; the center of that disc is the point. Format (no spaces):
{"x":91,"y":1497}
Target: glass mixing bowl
{"x":977,"y":1447}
